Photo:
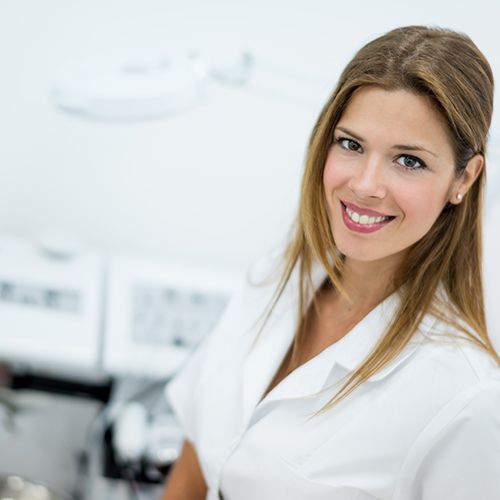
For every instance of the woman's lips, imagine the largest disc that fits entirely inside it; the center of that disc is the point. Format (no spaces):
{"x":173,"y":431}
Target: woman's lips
{"x":364,"y":211}
{"x":363,"y":220}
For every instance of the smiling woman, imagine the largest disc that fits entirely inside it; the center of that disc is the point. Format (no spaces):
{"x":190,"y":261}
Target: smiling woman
{"x":371,"y":374}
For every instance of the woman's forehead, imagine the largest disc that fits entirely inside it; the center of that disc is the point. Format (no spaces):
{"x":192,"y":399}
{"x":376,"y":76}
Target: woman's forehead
{"x":395,"y":116}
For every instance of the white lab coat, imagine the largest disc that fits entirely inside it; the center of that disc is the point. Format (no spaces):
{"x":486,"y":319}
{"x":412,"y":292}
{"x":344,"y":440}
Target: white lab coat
{"x":427,"y":427}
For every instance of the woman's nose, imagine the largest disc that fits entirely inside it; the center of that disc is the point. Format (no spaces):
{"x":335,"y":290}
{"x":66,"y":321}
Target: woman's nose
{"x":367,"y":180}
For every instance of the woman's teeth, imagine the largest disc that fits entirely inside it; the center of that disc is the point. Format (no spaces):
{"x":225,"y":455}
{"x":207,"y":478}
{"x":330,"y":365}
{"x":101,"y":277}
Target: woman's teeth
{"x":364,"y":219}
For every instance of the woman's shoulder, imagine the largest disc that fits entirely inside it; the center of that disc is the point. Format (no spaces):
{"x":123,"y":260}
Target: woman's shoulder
{"x":266,"y":267}
{"x":451,"y":367}
{"x":262,"y":283}
{"x":261,"y":278}
{"x":454,"y":352}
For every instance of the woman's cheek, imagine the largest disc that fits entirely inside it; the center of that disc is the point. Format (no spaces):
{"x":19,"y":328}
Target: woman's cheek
{"x":421,"y":207}
{"x":334,"y":175}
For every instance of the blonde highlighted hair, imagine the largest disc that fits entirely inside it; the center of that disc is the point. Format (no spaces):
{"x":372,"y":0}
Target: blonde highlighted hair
{"x":449,"y":69}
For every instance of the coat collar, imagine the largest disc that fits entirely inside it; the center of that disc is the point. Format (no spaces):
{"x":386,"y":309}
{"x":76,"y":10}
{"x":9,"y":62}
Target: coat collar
{"x":264,"y":358}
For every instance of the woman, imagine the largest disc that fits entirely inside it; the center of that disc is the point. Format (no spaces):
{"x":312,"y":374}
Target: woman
{"x":371,"y":374}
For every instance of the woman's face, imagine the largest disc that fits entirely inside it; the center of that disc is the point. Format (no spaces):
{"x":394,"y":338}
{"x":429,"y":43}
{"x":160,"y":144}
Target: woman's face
{"x":388,"y":174}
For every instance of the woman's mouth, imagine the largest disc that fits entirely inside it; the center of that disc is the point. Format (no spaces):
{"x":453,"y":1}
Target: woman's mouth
{"x":363,"y":220}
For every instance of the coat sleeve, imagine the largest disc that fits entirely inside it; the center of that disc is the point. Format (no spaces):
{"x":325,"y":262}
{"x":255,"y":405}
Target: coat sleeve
{"x":458,"y":454}
{"x":182,"y":390}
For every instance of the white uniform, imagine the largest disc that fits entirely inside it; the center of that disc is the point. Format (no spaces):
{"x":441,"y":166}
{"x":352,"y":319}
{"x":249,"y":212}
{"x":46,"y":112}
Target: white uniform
{"x":427,"y":427}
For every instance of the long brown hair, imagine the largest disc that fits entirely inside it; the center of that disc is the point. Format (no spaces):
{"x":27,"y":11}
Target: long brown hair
{"x":448,"y":68}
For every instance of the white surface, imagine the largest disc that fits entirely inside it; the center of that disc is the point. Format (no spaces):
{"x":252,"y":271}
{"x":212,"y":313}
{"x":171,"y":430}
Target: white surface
{"x":424,"y":427}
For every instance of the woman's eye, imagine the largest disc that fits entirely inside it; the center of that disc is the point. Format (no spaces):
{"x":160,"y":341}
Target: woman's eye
{"x":349,"y":144}
{"x":410,"y":162}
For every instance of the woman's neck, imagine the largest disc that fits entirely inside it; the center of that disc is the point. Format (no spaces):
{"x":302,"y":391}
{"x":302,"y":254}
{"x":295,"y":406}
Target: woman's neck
{"x":368,"y":283}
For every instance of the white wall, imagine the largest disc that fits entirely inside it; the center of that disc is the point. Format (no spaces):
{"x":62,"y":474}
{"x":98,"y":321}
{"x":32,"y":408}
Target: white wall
{"x":217,"y":185}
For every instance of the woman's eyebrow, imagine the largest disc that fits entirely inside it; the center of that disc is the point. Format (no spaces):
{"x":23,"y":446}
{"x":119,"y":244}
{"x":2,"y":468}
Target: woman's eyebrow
{"x":400,"y":147}
{"x":351,"y":133}
{"x":412,"y":147}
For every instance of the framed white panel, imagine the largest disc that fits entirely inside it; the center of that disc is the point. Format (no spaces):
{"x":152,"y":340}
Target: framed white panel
{"x":157,"y":312}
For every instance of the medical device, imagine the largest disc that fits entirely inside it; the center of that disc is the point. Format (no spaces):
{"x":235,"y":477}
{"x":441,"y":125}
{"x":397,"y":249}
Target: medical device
{"x":50,"y":306}
{"x":69,"y":311}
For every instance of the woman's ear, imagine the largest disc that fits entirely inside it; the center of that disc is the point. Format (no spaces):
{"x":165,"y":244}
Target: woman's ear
{"x":467,"y":178}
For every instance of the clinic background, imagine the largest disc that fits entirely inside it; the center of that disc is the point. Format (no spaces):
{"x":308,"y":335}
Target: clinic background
{"x":215,"y":186}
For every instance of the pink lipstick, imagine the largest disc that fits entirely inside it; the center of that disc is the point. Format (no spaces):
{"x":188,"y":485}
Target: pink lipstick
{"x":363,"y":220}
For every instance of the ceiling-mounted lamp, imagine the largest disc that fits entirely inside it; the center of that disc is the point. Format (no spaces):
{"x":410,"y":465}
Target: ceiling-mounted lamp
{"x":143,"y":86}
{"x":130,"y":88}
